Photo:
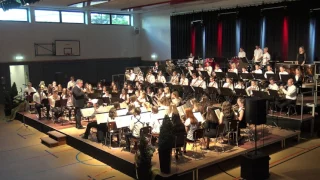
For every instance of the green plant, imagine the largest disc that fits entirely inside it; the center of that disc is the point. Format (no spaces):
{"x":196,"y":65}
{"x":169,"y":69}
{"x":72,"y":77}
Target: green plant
{"x":144,"y":154}
{"x":166,"y":136}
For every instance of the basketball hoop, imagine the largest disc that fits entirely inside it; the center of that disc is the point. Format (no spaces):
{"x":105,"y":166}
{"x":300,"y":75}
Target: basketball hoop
{"x":67,"y":54}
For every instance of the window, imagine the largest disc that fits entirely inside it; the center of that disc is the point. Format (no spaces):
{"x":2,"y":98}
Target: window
{"x":72,"y":17}
{"x":120,"y":19}
{"x":47,"y":16}
{"x":14,"y":15}
{"x":97,"y":18}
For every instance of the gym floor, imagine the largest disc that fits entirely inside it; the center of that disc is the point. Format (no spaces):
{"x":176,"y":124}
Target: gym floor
{"x":23,"y":157}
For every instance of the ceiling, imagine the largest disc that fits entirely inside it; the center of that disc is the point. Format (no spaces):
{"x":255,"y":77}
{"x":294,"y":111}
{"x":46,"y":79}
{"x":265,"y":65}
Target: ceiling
{"x":147,"y":5}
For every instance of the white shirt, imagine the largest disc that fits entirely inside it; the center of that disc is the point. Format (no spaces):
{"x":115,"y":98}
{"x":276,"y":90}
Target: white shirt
{"x":155,"y":124}
{"x":37,"y":99}
{"x":184,"y":82}
{"x":71,"y":84}
{"x":161,"y":79}
{"x":265,"y":58}
{"x":217,"y":70}
{"x":30,"y":90}
{"x":242,"y":54}
{"x":140,"y":78}
{"x":252,"y":88}
{"x":208,"y":69}
{"x":234,"y":70}
{"x":213,"y":84}
{"x":200,"y":83}
{"x":136,"y":125}
{"x":268,"y":72}
{"x":245,"y":72}
{"x":257,"y":54}
{"x":193,"y":81}
{"x":291,"y":92}
{"x":273,"y":87}
{"x":124,"y":97}
{"x":259,"y":71}
{"x":192,"y":128}
{"x":174,"y":80}
{"x":151,"y":79}
{"x":284,"y":73}
{"x":227,"y":85}
{"x":52,"y":102}
{"x":190,"y":68}
{"x":239,"y":86}
{"x":132,"y":76}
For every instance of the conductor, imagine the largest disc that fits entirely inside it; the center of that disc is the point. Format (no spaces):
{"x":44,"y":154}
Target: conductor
{"x":78,"y":101}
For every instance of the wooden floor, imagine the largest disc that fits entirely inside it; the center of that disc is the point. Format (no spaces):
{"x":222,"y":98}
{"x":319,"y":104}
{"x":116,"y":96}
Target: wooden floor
{"x":266,"y":135}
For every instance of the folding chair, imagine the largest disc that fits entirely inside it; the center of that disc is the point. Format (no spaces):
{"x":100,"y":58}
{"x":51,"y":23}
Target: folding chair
{"x":220,"y":135}
{"x":112,"y":130}
{"x":233,"y":130}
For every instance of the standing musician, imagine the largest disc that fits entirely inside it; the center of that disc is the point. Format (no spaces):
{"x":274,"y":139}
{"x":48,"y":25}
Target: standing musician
{"x":213,"y":83}
{"x":208,"y":68}
{"x":233,"y":68}
{"x":200,"y":83}
{"x":183,"y":80}
{"x":150,"y":78}
{"x":174,"y":78}
{"x":257,"y":69}
{"x":71,"y":83}
{"x":78,"y":101}
{"x":170,"y":66}
{"x":160,"y":78}
{"x":191,"y":57}
{"x":241,"y":53}
{"x":265,"y":57}
{"x":257,"y":55}
{"x":253,"y":87}
{"x":301,"y":56}
{"x":269,"y":71}
{"x":132,"y":75}
{"x":37,"y":98}
{"x":155,"y":67}
{"x":291,"y":94}
{"x":194,"y":80}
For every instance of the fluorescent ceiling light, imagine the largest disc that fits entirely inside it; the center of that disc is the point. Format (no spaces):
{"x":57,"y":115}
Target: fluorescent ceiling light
{"x":85,"y":4}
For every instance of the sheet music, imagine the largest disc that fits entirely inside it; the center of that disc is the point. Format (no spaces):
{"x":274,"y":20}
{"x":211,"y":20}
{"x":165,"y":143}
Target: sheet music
{"x":122,"y":112}
{"x":144,"y":109}
{"x":103,"y":109}
{"x":217,"y":111}
{"x":102,"y":118}
{"x":198,"y":116}
{"x":162,"y":113}
{"x":146,"y":117}
{"x":123,"y":121}
{"x":181,"y":110}
{"x":123,"y":105}
{"x":87,"y":112}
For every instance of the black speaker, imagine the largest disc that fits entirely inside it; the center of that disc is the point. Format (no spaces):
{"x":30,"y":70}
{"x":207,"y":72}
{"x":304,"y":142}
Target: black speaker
{"x":256,"y":110}
{"x":255,"y":166}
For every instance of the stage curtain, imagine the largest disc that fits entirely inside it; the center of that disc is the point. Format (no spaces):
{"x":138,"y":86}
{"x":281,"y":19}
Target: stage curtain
{"x":316,"y":17}
{"x":211,"y":30}
{"x":250,"y":30}
{"x":274,"y":19}
{"x":228,"y":23}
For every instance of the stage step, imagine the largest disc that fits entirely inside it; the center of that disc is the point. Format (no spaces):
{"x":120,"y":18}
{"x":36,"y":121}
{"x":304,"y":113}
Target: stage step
{"x":48,"y":141}
{"x":61,"y":138}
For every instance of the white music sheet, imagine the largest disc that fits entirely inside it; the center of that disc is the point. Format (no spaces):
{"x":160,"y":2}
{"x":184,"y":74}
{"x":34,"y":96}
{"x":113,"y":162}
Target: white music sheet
{"x":87,"y":112}
{"x":123,"y":105}
{"x":122,"y":112}
{"x":103,"y":109}
{"x":198,"y":116}
{"x":102,"y":118}
{"x":144,"y":109}
{"x":162,"y":113}
{"x":181,"y":110}
{"x":146,"y":117}
{"x":123,"y":121}
{"x":217,"y":111}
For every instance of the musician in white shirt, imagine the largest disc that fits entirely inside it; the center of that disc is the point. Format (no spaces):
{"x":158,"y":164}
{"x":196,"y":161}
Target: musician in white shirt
{"x":132,"y":75}
{"x":28,"y":90}
{"x":291,"y":94}
{"x":194,"y":79}
{"x":269,"y":71}
{"x":217,"y":68}
{"x":233,"y":68}
{"x":282,"y":71}
{"x":228,"y":84}
{"x":208,"y":68}
{"x":273,"y":85}
{"x":150,"y":78}
{"x":160,"y":78}
{"x":240,"y":84}
{"x":213,"y":83}
{"x":191,"y":57}
{"x":174,"y":78}
{"x":183,"y":80}
{"x":135,"y":126}
{"x":257,"y":69}
{"x":71,"y":83}
{"x":241,"y":53}
{"x":244,"y":70}
{"x":200,"y":68}
{"x":253,"y":87}
{"x":139,"y":77}
{"x":37,"y":98}
{"x":257,"y":56}
{"x":266,"y":56}
{"x":155,"y":67}
{"x":189,"y":66}
{"x":200,"y":83}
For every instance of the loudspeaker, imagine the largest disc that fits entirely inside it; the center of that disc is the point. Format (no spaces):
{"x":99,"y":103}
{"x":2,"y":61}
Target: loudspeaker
{"x":256,"y":110}
{"x":136,"y":30}
{"x":255,"y":166}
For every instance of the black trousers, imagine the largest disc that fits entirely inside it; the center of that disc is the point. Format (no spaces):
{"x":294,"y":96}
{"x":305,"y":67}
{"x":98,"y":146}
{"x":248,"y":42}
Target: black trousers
{"x":78,"y":117}
{"x":284,"y":103}
{"x":38,"y":108}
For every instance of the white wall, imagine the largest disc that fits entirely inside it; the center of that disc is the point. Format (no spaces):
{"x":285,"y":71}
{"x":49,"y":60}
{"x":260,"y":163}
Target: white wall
{"x":96,"y":41}
{"x":19,"y":74}
{"x":155,"y":35}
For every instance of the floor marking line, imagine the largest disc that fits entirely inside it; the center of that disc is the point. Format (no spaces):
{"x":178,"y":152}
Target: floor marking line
{"x":21,"y":136}
{"x":51,"y":153}
{"x":108,"y":177}
{"x":110,"y":169}
{"x":82,"y":162}
{"x":61,"y":166}
{"x":20,"y":148}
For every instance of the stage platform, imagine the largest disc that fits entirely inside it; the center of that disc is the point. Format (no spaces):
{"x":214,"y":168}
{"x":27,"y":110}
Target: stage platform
{"x":186,"y":166}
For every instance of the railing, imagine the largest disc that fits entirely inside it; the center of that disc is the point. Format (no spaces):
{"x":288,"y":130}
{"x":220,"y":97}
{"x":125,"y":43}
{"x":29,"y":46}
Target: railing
{"x":315,"y":101}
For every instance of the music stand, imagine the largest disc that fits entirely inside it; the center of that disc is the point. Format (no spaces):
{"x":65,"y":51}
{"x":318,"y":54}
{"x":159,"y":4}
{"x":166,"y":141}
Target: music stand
{"x":116,"y":99}
{"x":106,"y":100}
{"x":260,"y":94}
{"x":274,"y":76}
{"x":220,"y":75}
{"x":159,"y":85}
{"x":63,"y":104}
{"x":232,"y":75}
{"x":176,"y":88}
{"x":258,"y":76}
{"x":240,"y":92}
{"x":248,"y":76}
{"x":285,"y":78}
{"x":198,"y":91}
{"x":195,"y":72}
{"x":226,"y":92}
{"x":87,"y":113}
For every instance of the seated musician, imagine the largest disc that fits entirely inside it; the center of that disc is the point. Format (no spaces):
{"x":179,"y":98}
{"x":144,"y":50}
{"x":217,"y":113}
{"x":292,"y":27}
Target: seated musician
{"x":37,"y":98}
{"x":105,"y":93}
{"x":155,"y":68}
{"x":166,"y":92}
{"x":99,"y":86}
{"x":124,"y":96}
{"x":132,"y":75}
{"x":160,"y":78}
{"x":241,"y":53}
{"x":210,"y":126}
{"x":137,"y":94}
{"x":134,"y":101}
{"x":155,"y":124}
{"x":114,"y":89}
{"x":190,"y":58}
{"x":189,"y":66}
{"x":139,"y":78}
{"x":291,"y":94}
{"x":90,"y":89}
{"x":298,"y":78}
{"x":217,"y":68}
{"x":150,"y":92}
{"x":169,"y":66}
{"x":265,"y":57}
{"x":43,"y":84}
{"x":233,"y":68}
{"x":174,"y":78}
{"x":69,"y":97}
{"x":64,"y":94}
{"x":213,"y":83}
{"x":130,"y":89}
{"x":200,"y":83}
{"x":175,"y":99}
{"x":50,"y":89}
{"x":54,"y":85}
{"x":142,"y":98}
{"x":160,"y":94}
{"x":273,"y":85}
{"x":244,"y":70}
{"x":59,"y":87}
{"x":208,"y":68}
{"x":28,"y":90}
{"x":150,"y":78}
{"x":253,"y":87}
{"x":194,"y":79}
{"x":282,"y":70}
{"x":183,"y":80}
{"x":269,"y":71}
{"x":140,"y":88}
{"x":228,"y":84}
{"x":191,"y":125}
{"x":102,"y":127}
{"x":52,"y":100}
{"x":135,"y":126}
{"x":112,"y":84}
{"x":200,"y":68}
{"x":240,"y":84}
{"x":257,"y":69}
{"x":226,"y":114}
